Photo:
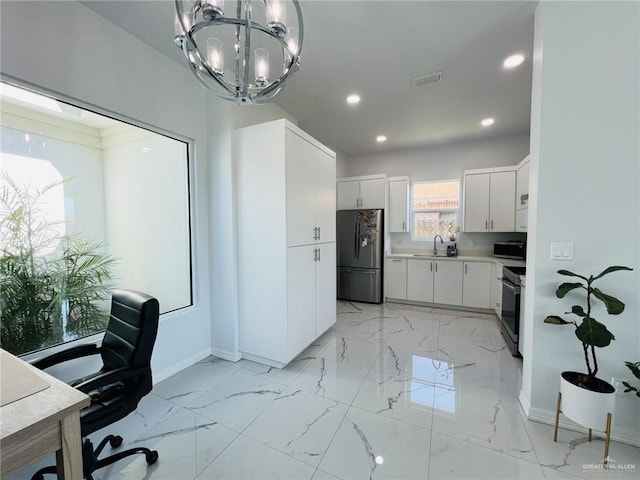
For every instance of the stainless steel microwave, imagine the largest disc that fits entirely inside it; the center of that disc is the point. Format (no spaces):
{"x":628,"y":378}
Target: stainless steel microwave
{"x":515,"y":249}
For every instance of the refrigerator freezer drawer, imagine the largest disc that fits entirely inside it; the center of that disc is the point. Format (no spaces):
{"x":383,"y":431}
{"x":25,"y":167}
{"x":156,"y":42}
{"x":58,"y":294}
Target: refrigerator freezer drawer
{"x":360,"y":285}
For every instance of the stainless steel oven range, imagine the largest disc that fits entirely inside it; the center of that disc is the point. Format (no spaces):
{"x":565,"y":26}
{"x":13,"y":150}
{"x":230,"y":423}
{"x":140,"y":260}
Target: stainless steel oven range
{"x":511,"y":307}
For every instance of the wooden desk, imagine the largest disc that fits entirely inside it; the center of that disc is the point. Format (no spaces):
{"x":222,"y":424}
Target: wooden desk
{"x":40,"y":419}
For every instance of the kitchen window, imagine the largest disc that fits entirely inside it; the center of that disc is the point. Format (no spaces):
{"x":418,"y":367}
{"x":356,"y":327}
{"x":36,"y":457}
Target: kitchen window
{"x":434,"y":209}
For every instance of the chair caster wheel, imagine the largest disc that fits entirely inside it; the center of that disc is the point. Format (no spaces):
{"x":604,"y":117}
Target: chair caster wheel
{"x":152,"y":457}
{"x":116,"y":441}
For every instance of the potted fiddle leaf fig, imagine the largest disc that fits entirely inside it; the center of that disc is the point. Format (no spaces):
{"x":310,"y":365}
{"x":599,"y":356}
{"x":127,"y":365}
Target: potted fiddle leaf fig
{"x":587,"y":399}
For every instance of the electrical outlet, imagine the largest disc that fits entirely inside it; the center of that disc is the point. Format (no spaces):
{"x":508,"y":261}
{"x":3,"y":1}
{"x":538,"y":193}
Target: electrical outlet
{"x":617,"y":384}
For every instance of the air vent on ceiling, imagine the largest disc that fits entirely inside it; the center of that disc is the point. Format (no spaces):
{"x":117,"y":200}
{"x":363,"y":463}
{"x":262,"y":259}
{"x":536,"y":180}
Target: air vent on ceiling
{"x":427,"y":79}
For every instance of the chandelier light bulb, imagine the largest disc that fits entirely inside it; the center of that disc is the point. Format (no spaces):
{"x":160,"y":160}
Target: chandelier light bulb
{"x":179,"y":32}
{"x":292,"y":40}
{"x":212,"y":9}
{"x":487,"y":122}
{"x":277,"y":17}
{"x":215,"y":55}
{"x":262,"y":66}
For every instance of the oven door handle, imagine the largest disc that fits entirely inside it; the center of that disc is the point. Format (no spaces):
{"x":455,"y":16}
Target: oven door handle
{"x":511,"y":286}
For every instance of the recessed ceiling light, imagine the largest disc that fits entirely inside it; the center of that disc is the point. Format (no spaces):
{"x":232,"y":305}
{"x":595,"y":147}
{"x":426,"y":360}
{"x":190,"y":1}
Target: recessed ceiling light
{"x":487,"y":122}
{"x":513,"y":61}
{"x":353,"y":99}
{"x":381,"y":138}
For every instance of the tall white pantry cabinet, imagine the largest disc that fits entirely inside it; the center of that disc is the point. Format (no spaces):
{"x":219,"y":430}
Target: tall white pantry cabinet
{"x":286,"y":198}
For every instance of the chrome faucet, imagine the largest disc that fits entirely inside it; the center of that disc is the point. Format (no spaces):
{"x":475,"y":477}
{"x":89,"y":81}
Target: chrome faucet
{"x":435,"y":250}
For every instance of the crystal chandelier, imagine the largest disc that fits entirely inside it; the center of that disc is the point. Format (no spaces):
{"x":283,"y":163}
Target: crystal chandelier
{"x":255,"y":41}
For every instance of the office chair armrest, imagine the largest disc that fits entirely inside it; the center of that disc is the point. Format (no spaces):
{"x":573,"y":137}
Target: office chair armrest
{"x":106,"y":379}
{"x":66,"y":355}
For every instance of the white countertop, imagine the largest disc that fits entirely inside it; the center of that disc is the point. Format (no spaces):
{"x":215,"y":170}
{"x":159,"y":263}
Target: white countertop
{"x":460,"y":258}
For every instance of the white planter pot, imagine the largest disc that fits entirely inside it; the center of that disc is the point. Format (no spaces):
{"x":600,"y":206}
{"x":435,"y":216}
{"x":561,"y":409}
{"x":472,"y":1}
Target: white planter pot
{"x":586,"y":407}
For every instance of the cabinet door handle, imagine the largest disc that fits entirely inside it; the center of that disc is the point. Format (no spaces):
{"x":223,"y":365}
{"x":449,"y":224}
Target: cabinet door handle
{"x":486,"y":224}
{"x":315,"y":254}
{"x":465,"y":269}
{"x":318,"y":254}
{"x":403,"y":226}
{"x":436,"y":268}
{"x":431,"y":265}
{"x":491,"y":224}
{"x":318,"y":233}
{"x":396,"y":260}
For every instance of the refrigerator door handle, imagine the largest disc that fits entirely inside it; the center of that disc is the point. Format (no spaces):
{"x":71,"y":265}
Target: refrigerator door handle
{"x":357,"y":235}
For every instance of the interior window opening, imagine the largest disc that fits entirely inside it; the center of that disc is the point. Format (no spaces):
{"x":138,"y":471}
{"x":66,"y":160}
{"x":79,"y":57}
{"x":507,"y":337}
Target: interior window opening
{"x":87,"y":204}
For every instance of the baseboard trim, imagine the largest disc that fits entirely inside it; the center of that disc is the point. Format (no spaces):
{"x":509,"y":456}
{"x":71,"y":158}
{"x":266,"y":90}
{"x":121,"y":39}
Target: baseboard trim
{"x":549,"y":417}
{"x":263,"y":360}
{"x":226,"y":354}
{"x":440,"y":305}
{"x":524,"y":403}
{"x":178,"y":367}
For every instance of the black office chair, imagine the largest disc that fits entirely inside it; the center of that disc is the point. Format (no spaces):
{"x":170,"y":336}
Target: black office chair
{"x":125,"y":376}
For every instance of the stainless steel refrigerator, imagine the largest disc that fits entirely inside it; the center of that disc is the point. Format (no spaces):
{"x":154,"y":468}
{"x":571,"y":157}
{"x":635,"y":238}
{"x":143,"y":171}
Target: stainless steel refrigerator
{"x":360,"y":255}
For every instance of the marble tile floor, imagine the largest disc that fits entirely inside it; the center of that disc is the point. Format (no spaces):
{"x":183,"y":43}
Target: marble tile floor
{"x":391,"y":392}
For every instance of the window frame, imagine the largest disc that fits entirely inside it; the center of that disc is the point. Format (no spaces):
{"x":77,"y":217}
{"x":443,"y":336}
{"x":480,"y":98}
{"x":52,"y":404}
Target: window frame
{"x":413,"y":212}
{"x":189,"y":145}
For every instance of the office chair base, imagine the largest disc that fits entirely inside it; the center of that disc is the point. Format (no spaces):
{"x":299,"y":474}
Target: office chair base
{"x":90,"y":460}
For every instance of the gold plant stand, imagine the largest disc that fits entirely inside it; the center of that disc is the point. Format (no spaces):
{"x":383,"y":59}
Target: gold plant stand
{"x":607,"y":431}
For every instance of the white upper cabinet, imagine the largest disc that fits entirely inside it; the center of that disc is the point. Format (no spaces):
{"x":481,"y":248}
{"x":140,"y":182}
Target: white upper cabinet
{"x":476,"y":202}
{"x":361,"y":192}
{"x":398,"y":204}
{"x":501,"y":202}
{"x":522,"y":185}
{"x":372,"y":193}
{"x":489,"y":201}
{"x":522,"y":196}
{"x":311,"y":174}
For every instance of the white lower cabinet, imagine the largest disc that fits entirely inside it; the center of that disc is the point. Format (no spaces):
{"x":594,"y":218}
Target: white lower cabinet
{"x":476,"y":285}
{"x":325,"y":287}
{"x":396,"y":278}
{"x":420,"y":280}
{"x":301,"y":297}
{"x":311,"y":288}
{"x":447,"y":287}
{"x":446,"y":282}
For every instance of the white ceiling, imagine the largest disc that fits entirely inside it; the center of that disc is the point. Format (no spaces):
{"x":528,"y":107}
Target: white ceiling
{"x":373,"y":47}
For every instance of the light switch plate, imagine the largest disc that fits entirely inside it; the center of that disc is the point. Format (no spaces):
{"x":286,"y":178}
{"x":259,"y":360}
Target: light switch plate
{"x":562,"y":251}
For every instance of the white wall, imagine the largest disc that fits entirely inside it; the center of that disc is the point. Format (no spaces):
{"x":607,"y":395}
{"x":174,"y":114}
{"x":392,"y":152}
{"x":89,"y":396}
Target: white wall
{"x":91,"y":61}
{"x":441,"y":162}
{"x":585,"y":168}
